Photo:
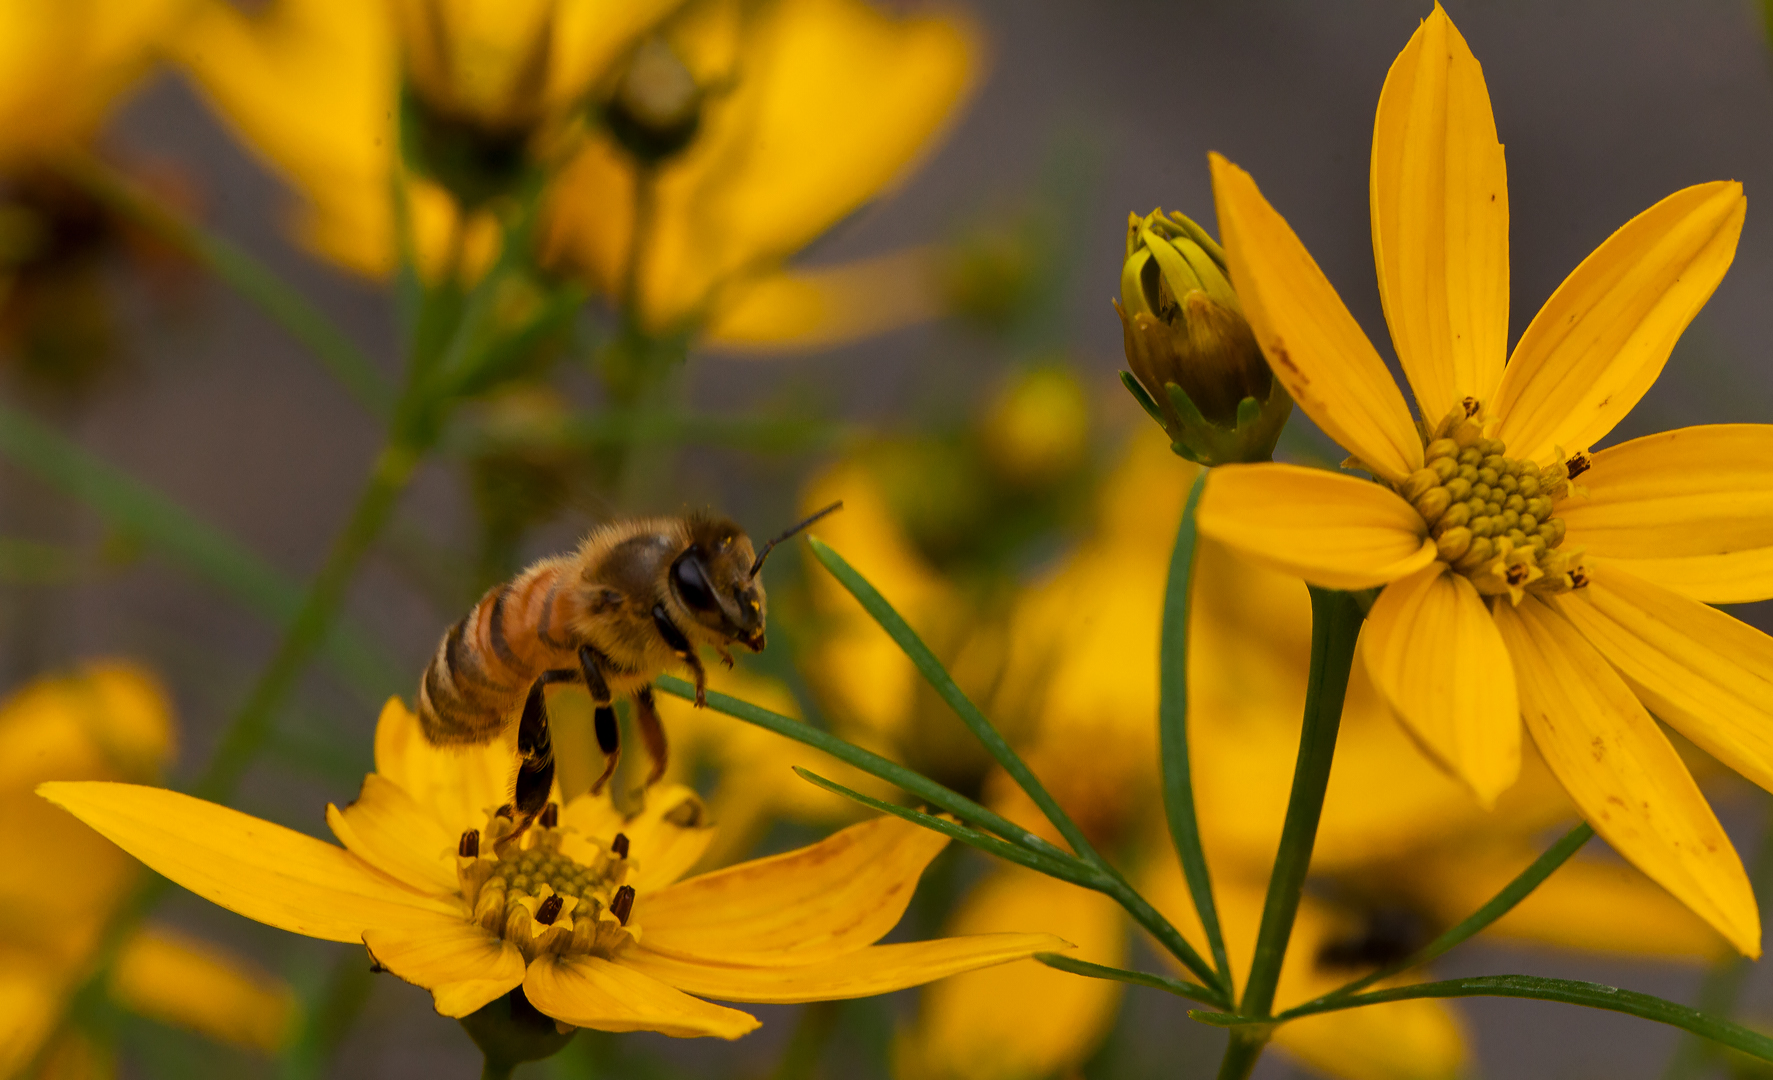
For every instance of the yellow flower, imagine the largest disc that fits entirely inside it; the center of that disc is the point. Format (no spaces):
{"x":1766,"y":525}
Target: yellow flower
{"x":580,"y":911}
{"x":61,"y":883}
{"x":313,"y":87}
{"x":1523,"y":577}
{"x":811,"y":108}
{"x":62,"y":66}
{"x":1399,"y":839}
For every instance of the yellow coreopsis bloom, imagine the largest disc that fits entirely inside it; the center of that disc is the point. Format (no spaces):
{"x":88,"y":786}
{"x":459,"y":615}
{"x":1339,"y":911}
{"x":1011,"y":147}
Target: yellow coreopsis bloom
{"x":1522,"y":576}
{"x":61,"y":884}
{"x":1400,"y":842}
{"x":582,"y":911}
{"x":314,"y":87}
{"x":809,"y":108}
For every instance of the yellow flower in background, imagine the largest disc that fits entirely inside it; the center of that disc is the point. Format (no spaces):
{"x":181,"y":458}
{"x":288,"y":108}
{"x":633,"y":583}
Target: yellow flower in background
{"x":62,"y":883}
{"x":1523,"y":577}
{"x":808,"y":108}
{"x":581,"y":910}
{"x":1399,"y":839}
{"x":63,"y":65}
{"x":313,"y":87}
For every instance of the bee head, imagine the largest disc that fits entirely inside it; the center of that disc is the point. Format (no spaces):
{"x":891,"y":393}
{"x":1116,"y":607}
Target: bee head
{"x":713,"y":582}
{"x":716,"y":578}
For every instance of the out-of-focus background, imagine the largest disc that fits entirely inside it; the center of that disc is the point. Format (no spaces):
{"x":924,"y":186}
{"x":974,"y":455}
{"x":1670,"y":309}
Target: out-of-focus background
{"x":1086,"y":111}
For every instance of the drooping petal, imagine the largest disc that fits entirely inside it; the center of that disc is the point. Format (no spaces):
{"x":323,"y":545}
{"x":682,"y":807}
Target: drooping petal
{"x":1707,"y":674}
{"x":390,"y":832}
{"x":260,"y":870}
{"x":1317,"y":350}
{"x":1696,"y":504}
{"x":1598,"y":904}
{"x":1601,"y":340}
{"x":806,"y":906}
{"x":822,"y":306}
{"x":1622,"y":773}
{"x":876,"y":969}
{"x":462,"y":965}
{"x":1433,"y":651}
{"x":1440,"y":219}
{"x":591,"y":992}
{"x":187,"y":983}
{"x":1332,"y":530}
{"x":1024,"y":1018}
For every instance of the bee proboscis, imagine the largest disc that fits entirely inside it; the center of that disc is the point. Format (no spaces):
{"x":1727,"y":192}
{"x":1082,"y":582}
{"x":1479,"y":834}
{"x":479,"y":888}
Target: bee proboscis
{"x":636,"y":597}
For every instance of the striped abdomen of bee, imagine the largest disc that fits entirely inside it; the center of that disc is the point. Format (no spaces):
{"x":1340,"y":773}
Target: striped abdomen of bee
{"x":635,"y":598}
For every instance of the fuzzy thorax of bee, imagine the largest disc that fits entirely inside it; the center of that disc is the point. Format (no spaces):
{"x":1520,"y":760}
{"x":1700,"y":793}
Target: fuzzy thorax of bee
{"x":525,"y":890}
{"x":1494,"y":518}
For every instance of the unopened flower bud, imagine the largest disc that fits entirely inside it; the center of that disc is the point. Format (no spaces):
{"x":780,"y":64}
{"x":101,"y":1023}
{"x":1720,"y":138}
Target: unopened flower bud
{"x":1196,"y":367}
{"x":656,"y":106}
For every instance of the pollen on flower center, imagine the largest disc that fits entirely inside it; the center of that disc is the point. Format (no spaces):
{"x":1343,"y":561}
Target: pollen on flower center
{"x":1492,"y":517}
{"x":523,"y":888}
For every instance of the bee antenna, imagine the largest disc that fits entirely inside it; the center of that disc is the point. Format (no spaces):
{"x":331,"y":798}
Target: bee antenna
{"x":764,"y":554}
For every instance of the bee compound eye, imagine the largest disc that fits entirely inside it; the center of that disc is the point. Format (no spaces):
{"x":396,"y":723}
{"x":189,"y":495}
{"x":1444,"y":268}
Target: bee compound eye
{"x":691,"y":583}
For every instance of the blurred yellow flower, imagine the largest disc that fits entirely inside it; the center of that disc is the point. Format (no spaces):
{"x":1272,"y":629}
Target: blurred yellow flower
{"x":63,"y":64}
{"x":1522,"y":577}
{"x":1399,"y":842}
{"x":579,"y":911}
{"x":62,"y":883}
{"x":809,"y":108}
{"x":313,"y":86}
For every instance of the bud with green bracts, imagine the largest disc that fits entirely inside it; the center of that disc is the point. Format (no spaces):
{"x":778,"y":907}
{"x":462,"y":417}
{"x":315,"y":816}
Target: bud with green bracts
{"x":1196,"y":366}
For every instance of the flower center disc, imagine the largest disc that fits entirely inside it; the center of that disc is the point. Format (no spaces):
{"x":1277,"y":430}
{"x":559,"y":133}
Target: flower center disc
{"x":527,"y":891}
{"x":1492,"y":517}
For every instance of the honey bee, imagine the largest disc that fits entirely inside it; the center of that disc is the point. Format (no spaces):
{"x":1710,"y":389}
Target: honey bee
{"x":636,"y":597}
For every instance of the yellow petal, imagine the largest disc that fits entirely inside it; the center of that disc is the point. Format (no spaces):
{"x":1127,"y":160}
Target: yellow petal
{"x":456,"y":786}
{"x":875,"y":969}
{"x":1440,"y":219}
{"x":1598,"y":904}
{"x":1330,"y":529}
{"x":260,"y":870}
{"x":1698,"y":669}
{"x":1696,"y":504}
{"x":462,"y":965}
{"x":814,"y":904}
{"x":1602,"y":338}
{"x":819,"y":307}
{"x":591,"y":992}
{"x":1622,"y":773}
{"x":1316,"y":348}
{"x":1021,"y":1019}
{"x":177,"y":980}
{"x":390,"y":832}
{"x":1433,"y":651}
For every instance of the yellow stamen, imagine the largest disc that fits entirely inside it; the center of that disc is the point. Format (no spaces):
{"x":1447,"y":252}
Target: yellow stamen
{"x":526,"y":890}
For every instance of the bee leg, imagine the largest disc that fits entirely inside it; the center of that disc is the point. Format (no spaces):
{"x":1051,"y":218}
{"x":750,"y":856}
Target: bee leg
{"x":535,"y":753}
{"x":725,"y":657}
{"x":609,"y":733}
{"x":684,"y":650}
{"x":646,"y":718}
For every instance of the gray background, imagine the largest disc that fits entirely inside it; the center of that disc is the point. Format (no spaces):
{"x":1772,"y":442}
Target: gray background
{"x":1604,"y":108}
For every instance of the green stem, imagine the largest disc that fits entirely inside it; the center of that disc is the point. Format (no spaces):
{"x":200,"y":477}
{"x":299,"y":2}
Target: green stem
{"x":1172,"y":712}
{"x":1241,"y":1054}
{"x":489,"y":1071}
{"x":1335,"y":626}
{"x":252,"y":724}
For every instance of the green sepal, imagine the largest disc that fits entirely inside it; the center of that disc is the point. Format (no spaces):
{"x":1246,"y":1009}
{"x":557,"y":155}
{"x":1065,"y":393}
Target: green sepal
{"x":1144,"y":399}
{"x":1252,"y":438}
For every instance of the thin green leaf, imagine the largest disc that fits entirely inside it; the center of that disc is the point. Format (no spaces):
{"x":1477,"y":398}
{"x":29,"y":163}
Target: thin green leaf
{"x":873,"y":764}
{"x":937,"y":676}
{"x":1499,"y":905}
{"x":1179,"y":987}
{"x":245,"y":275}
{"x":1569,"y":992}
{"x":1172,"y":723}
{"x":199,"y":549}
{"x":1065,"y":868}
